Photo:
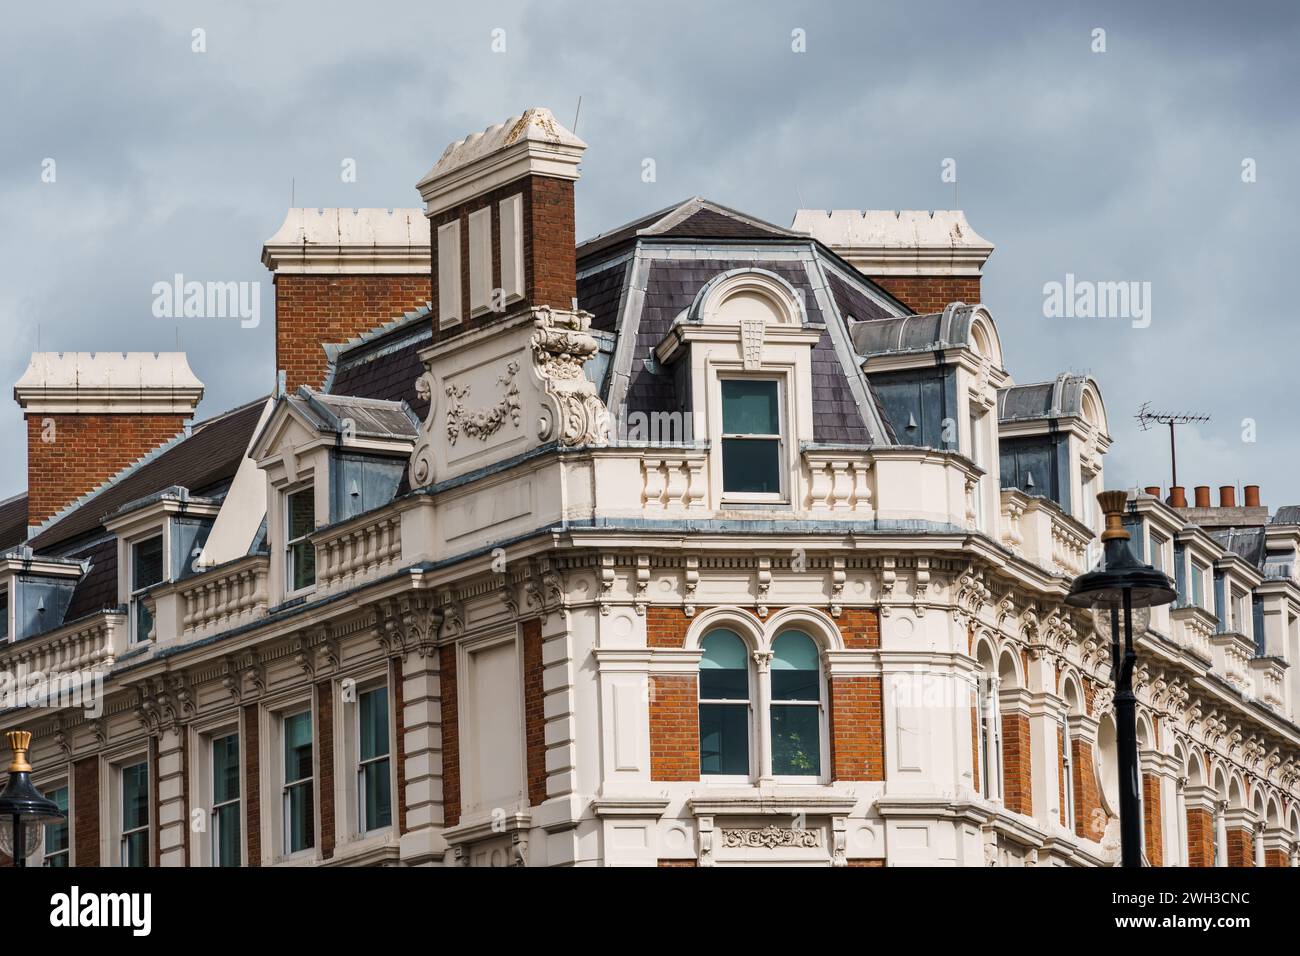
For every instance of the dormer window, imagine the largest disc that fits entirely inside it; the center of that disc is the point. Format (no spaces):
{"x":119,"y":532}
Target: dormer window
{"x":146,"y":571}
{"x":300,"y":553}
{"x":751,"y":438}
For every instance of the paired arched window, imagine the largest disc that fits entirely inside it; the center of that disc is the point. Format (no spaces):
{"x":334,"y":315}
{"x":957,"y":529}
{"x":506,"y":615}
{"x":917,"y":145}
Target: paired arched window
{"x":774,"y":712}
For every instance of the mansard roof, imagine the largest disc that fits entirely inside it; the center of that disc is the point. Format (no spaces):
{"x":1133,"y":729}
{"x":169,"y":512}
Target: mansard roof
{"x":694,"y":218}
{"x":916,"y":333}
{"x":1063,"y":397}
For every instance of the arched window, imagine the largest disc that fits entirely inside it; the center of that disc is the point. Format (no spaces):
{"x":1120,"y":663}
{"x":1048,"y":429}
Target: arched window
{"x":724,"y":705}
{"x":796,"y":706}
{"x":988,"y":723}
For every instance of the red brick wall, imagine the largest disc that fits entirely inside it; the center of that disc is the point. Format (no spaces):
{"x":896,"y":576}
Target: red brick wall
{"x":325,"y":762}
{"x":1200,"y":838}
{"x":534,"y":716}
{"x":1241,"y":847}
{"x":857,"y":726}
{"x":85,"y":451}
{"x":549,"y":241}
{"x":923,"y":294}
{"x":399,"y":749}
{"x":252,"y":786}
{"x":1155,"y":843}
{"x":1017,"y":766}
{"x":314,"y":310}
{"x":450,"y":736}
{"x":1276,"y":858}
{"x":1089,"y":821}
{"x":665,"y":626}
{"x":860,"y":627}
{"x":85,"y":811}
{"x":674,"y":728}
{"x":1060,"y":772}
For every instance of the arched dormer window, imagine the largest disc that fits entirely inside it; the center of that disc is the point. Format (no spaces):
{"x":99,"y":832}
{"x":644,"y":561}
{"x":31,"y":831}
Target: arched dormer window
{"x":724,"y":705}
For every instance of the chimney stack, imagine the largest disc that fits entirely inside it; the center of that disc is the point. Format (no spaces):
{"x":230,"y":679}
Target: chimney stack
{"x":1152,"y":490}
{"x":338,"y":273}
{"x":89,"y":415}
{"x":501,"y":222}
{"x":1227,"y":496}
{"x":1202,"y":496}
{"x":1252,"y":496}
{"x":924,"y":259}
{"x":1177,"y":498}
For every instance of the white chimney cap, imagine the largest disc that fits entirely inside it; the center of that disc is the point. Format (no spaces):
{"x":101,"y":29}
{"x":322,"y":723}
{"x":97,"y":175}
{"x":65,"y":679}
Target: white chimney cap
{"x":885,"y":242}
{"x":350,"y":241}
{"x":113,"y":383}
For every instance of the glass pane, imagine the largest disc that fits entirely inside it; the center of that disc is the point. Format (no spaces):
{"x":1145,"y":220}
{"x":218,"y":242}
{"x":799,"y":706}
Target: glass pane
{"x":374,"y":723}
{"x":225,"y":837}
{"x":297,"y":746}
{"x":750,"y":407}
{"x":300,"y":824}
{"x":225,"y":769}
{"x":57,"y":861}
{"x":147,"y":563}
{"x":724,"y":739}
{"x":135,"y":796}
{"x":794,"y":667}
{"x":303,"y":560}
{"x":143,"y":622}
{"x":796,"y":741}
{"x":302,"y":513}
{"x":751,"y":465}
{"x":378,"y":795}
{"x":135,"y":849}
{"x":724,"y":668}
{"x":56,"y":834}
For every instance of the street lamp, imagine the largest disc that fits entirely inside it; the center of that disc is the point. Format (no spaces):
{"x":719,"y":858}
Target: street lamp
{"x":24,"y":808}
{"x":1122,"y":582}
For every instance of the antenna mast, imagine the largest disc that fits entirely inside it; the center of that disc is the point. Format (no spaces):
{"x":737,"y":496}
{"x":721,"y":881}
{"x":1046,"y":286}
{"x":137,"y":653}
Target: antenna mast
{"x":1146,"y":418}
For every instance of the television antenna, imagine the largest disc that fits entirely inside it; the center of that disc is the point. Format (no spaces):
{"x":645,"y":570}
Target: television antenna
{"x":1146,"y":418}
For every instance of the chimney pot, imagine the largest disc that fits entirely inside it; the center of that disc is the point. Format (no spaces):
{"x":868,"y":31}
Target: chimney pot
{"x":1177,"y":498}
{"x":1202,"y":496}
{"x":1227,"y":496}
{"x":1252,"y":496}
{"x":1152,"y":490}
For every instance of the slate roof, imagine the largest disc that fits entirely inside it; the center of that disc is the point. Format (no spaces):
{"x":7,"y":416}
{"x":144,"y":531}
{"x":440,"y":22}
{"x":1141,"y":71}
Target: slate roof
{"x":371,"y":417}
{"x":1287,"y":514}
{"x":98,"y":589}
{"x":695,"y":218}
{"x":1247,"y":543}
{"x":13,"y":521}
{"x":601,"y":292}
{"x":1061,"y":398}
{"x":204,"y":463}
{"x":385,"y":366}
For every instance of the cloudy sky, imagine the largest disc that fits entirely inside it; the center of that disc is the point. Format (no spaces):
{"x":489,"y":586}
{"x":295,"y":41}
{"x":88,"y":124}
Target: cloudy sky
{"x":1122,"y":165}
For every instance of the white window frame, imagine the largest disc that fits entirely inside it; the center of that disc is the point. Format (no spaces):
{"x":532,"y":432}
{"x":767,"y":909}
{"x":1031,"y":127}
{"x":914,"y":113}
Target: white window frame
{"x":751,"y":709}
{"x":1067,"y":772}
{"x":823,"y":728}
{"x":976,"y":423}
{"x":363,"y":688}
{"x":289,"y":543}
{"x":137,"y":592}
{"x":988,"y":711}
{"x":1156,"y":544}
{"x":119,"y":818}
{"x":48,"y":787}
{"x":214,"y":835}
{"x":282,"y":814}
{"x":780,"y":379}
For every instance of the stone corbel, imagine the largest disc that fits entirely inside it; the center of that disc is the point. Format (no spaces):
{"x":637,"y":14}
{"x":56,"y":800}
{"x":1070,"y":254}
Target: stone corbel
{"x":561,"y":344}
{"x":838,"y":579}
{"x":606,"y":582}
{"x":642,"y":582}
{"x":690,"y":580}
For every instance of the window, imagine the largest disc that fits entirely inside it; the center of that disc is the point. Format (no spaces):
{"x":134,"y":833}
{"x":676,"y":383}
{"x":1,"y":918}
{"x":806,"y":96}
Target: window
{"x":1240,"y":616}
{"x":374,"y":781}
{"x":796,"y":706}
{"x":300,"y":557}
{"x":724,"y":706}
{"x":751,"y":437}
{"x":1198,"y":584}
{"x":1067,"y":774}
{"x":4,"y":614}
{"x":1156,"y":549}
{"x":299,"y":812}
{"x":977,"y":456}
{"x":989,"y":729}
{"x":135,"y":814}
{"x":146,"y":571}
{"x":225,"y":801}
{"x":56,"y":834}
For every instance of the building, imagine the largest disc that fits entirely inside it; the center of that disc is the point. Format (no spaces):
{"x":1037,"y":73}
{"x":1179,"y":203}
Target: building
{"x":704,"y":541}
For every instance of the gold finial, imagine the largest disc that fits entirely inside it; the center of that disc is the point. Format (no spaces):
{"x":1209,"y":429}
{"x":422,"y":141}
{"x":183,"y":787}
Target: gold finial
{"x":1113,"y":504}
{"x":19,"y":742}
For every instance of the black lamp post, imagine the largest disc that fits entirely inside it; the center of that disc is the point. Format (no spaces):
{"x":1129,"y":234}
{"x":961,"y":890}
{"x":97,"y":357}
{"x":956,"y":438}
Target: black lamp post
{"x":1122,"y":582}
{"x":24,"y":810}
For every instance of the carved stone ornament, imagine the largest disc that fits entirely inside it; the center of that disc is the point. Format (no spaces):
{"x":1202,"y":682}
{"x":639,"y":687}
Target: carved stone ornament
{"x":561,"y":345}
{"x":485,"y":422}
{"x":770,"y":838}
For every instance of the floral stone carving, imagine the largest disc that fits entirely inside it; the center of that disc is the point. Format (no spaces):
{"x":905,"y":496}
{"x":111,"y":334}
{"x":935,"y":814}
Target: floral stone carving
{"x":561,"y":344}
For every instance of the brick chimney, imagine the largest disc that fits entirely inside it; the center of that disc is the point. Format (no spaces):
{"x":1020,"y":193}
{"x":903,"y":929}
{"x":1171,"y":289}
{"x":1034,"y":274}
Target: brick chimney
{"x":500,"y":210}
{"x":924,"y":259}
{"x":90,"y":414}
{"x":338,"y":273}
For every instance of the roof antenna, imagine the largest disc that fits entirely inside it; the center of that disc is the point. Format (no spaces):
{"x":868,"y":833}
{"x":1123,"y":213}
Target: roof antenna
{"x":292,"y":194}
{"x":802,"y":204}
{"x":1146,"y":418}
{"x":575,"y":116}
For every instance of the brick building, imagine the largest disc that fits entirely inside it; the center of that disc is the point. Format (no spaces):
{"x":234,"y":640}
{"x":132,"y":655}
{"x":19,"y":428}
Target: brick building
{"x":705,"y":541}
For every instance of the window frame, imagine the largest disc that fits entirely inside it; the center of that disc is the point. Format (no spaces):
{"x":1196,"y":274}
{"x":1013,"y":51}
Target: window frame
{"x":988,"y":710}
{"x":284,"y":785}
{"x":752,"y":747}
{"x":1067,"y":773}
{"x":369,"y":687}
{"x":780,"y":379}
{"x":290,"y":542}
{"x":50,"y":788}
{"x":123,"y":834}
{"x":823,"y":722}
{"x":214,"y":834}
{"x":135,"y":591}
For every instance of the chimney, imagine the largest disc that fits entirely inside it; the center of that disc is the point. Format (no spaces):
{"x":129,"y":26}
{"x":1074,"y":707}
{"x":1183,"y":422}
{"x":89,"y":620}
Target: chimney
{"x":1202,"y":496}
{"x":500,"y":210}
{"x":339,"y":273}
{"x":1152,"y":490}
{"x":924,"y":259}
{"x":1177,"y":499}
{"x":1252,"y":496}
{"x":1227,"y":496}
{"x":89,"y":415}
